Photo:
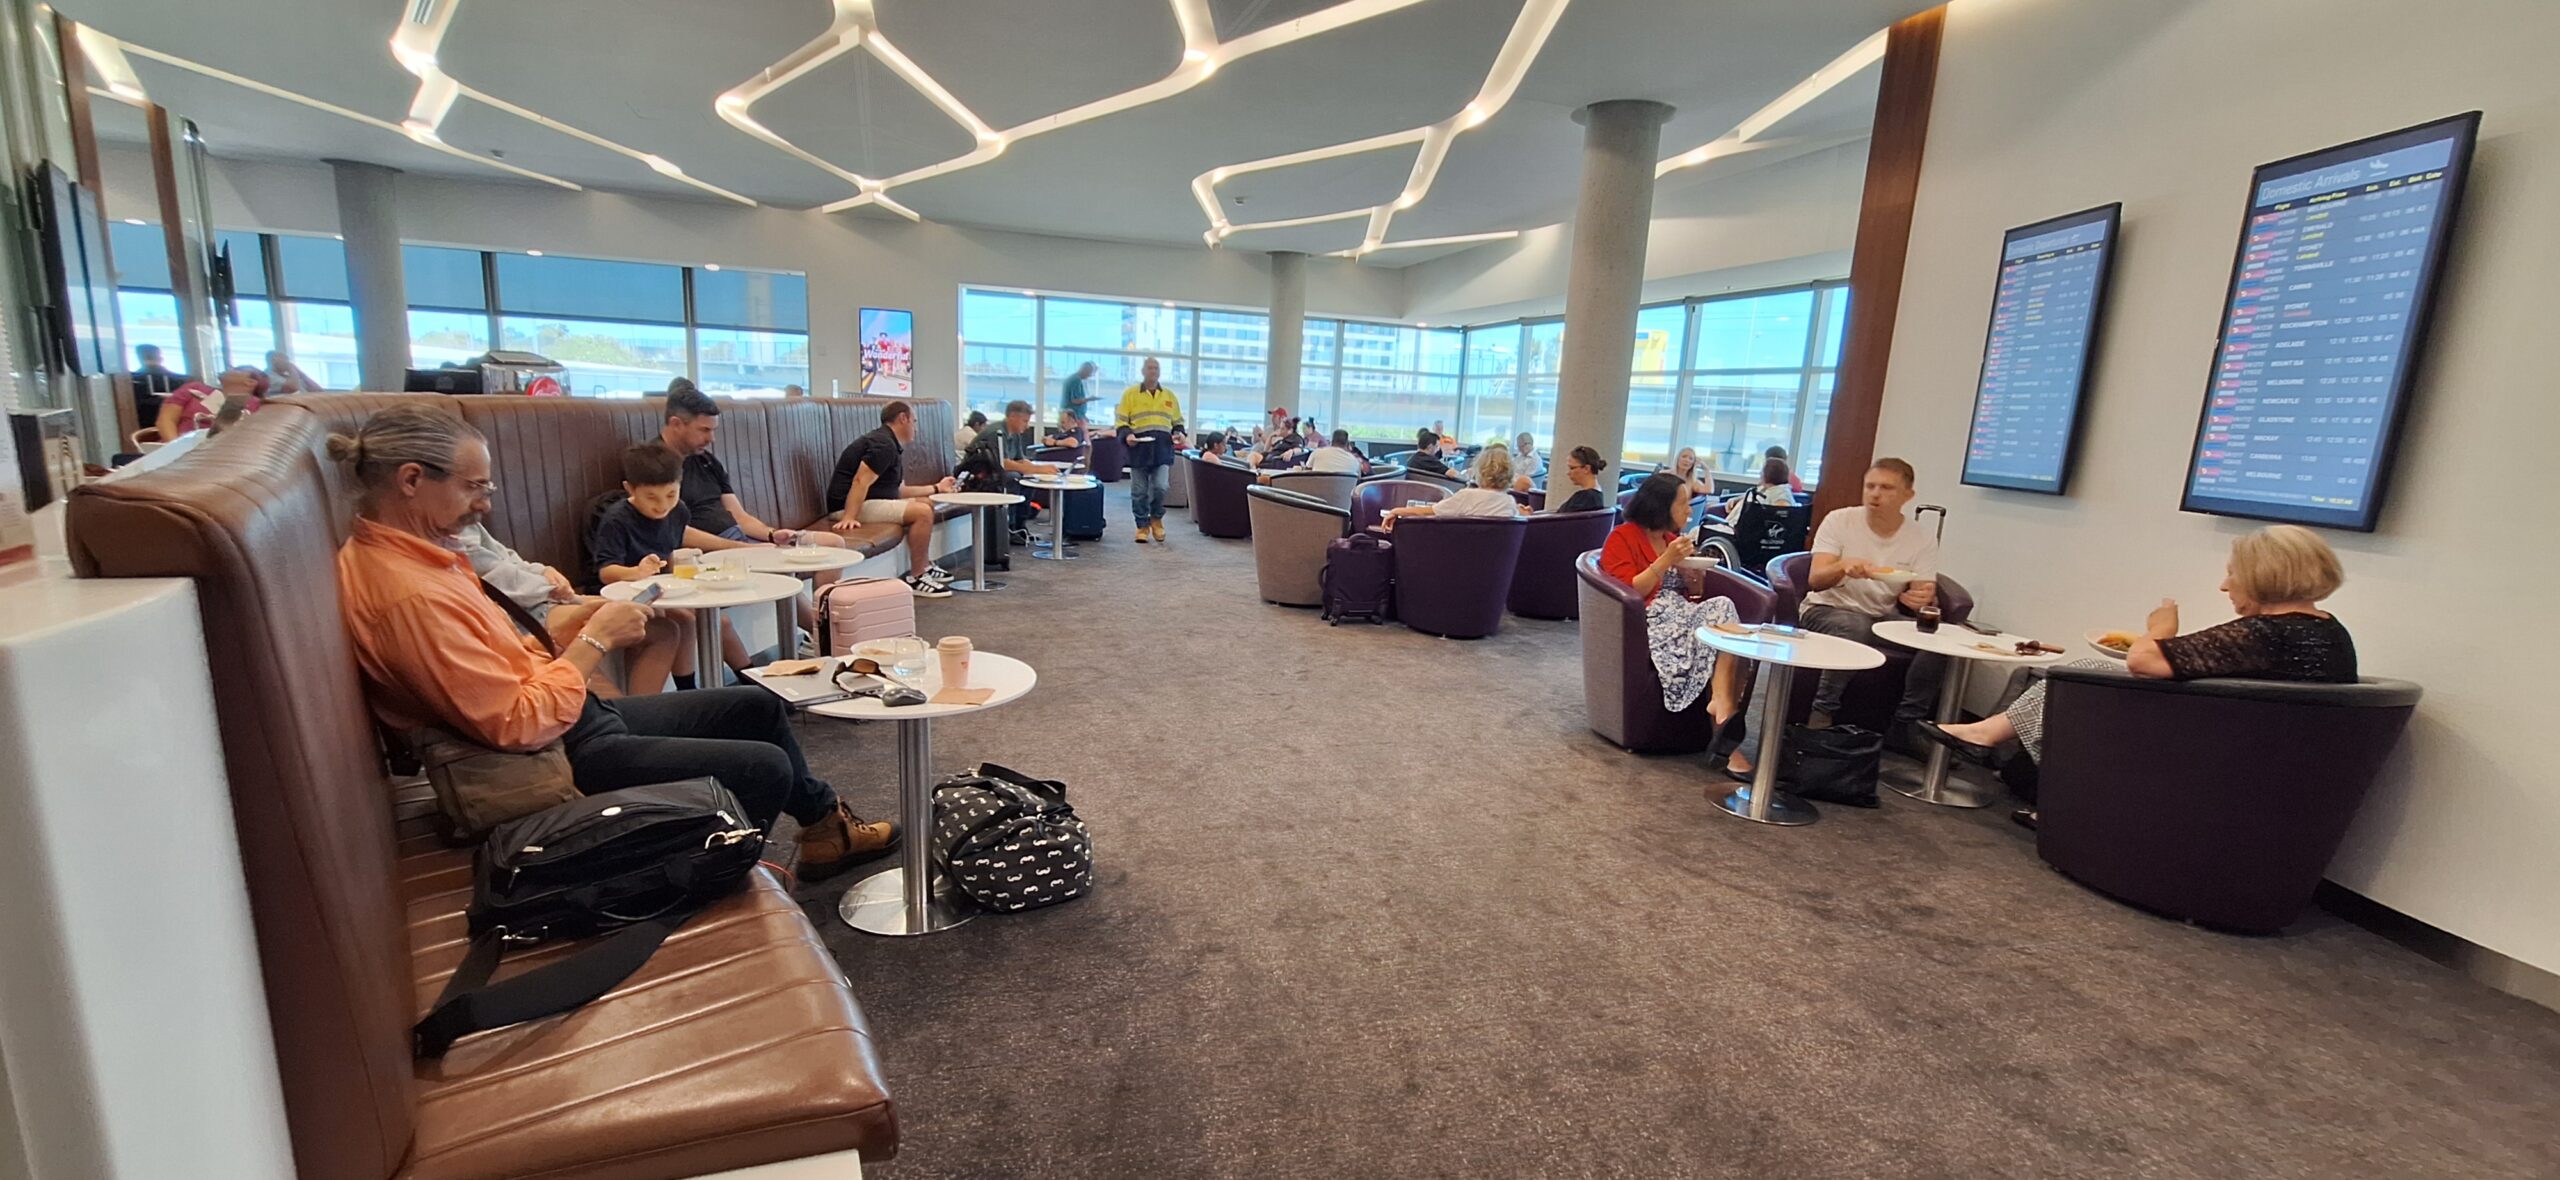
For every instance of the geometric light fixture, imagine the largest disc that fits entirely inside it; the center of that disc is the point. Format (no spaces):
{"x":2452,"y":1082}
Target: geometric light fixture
{"x":414,"y":44}
{"x":219,"y":75}
{"x":1839,"y":69}
{"x":1529,"y":32}
{"x":855,"y":27}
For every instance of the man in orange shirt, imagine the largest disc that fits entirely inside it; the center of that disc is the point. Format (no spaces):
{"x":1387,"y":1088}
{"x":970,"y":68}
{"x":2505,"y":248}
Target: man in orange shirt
{"x":436,"y":649}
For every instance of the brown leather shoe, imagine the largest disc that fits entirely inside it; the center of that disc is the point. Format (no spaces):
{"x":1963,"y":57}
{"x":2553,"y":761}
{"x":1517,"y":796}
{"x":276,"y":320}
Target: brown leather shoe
{"x":841,"y":841}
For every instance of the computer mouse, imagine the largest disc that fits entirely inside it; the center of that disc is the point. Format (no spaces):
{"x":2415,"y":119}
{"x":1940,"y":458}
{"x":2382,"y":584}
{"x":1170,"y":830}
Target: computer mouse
{"x":899,"y":695}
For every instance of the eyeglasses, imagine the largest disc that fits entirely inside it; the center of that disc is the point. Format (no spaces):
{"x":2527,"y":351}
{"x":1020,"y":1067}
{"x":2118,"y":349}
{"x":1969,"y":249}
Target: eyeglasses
{"x":476,"y":487}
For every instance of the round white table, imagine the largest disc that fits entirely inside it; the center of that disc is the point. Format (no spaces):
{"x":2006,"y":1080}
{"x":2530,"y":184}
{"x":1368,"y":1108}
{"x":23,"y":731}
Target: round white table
{"x":784,"y":559}
{"x":979,"y":505}
{"x":1781,"y":653}
{"x":908,"y":899}
{"x":1061,"y":484}
{"x":1963,"y":649}
{"x":707,"y":599}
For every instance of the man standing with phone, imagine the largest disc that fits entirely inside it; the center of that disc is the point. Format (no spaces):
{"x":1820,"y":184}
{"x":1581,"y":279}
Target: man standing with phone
{"x":1148,"y":416}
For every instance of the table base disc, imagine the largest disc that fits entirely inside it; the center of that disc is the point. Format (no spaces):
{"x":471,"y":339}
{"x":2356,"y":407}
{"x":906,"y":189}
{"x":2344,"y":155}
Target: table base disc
{"x":1785,"y":810}
{"x":971,"y":586}
{"x":1952,"y":792}
{"x":878,"y":905}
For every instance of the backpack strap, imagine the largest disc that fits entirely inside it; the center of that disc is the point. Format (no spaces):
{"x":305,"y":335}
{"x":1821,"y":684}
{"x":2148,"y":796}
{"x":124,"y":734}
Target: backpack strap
{"x":470,"y":1003}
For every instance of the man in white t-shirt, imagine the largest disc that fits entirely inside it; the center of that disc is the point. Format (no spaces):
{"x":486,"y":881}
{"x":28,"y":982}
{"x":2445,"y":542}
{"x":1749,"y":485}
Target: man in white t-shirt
{"x":1847,"y":597}
{"x":1338,"y":458}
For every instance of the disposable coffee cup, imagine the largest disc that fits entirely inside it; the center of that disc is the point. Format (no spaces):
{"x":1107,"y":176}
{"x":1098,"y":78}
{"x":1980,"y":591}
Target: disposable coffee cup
{"x":954,"y":651}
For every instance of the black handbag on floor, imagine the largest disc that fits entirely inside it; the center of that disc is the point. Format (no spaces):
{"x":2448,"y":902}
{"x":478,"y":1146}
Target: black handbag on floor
{"x":1009,"y":841}
{"x":1835,"y":765}
{"x":636,"y":862}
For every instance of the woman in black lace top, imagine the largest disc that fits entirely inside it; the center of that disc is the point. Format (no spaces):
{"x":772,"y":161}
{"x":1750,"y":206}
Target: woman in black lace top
{"x":2276,"y":579}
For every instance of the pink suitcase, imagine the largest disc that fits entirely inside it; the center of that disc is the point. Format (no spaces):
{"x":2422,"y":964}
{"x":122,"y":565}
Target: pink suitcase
{"x":856,"y":609}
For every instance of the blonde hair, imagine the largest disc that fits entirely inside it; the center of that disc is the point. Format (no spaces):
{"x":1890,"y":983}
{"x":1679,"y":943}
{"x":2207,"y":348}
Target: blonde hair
{"x":1493,"y":467}
{"x":2285,"y":563}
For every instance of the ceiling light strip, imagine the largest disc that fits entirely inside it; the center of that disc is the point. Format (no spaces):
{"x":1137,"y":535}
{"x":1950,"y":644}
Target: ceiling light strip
{"x":1520,"y":48}
{"x":415,"y":44}
{"x":342,"y":112}
{"x":1419,"y":243}
{"x":1838,"y":70}
{"x":1292,"y":222}
{"x":107,"y":60}
{"x":1202,"y":55}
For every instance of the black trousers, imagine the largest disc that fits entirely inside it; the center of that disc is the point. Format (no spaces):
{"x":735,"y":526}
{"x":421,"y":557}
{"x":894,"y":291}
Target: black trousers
{"x":740,"y":736}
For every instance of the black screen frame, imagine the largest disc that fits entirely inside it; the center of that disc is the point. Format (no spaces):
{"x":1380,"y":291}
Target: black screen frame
{"x":2421,"y":321}
{"x":2111,"y":215}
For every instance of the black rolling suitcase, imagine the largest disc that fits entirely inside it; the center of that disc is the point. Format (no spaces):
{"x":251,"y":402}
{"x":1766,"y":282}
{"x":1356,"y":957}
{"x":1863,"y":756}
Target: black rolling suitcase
{"x":1084,"y":514}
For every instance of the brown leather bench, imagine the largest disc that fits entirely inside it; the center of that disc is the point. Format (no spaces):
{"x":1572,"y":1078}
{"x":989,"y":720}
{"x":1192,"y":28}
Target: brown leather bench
{"x":552,"y":455}
{"x":738,"y":1044}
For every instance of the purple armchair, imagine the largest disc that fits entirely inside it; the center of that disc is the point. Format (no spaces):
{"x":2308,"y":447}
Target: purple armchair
{"x":2243,"y":791}
{"x":1453,"y":575}
{"x":1217,"y":498}
{"x":1621,"y":692}
{"x":1370,"y":500}
{"x":1110,"y":458}
{"x":1873,"y":694}
{"x":1542,"y":586}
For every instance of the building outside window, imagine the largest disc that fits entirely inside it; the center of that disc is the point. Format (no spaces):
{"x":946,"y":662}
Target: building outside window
{"x":619,"y":329}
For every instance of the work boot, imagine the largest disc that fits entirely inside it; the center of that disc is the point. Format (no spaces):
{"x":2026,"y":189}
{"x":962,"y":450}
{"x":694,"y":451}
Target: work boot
{"x":1142,"y":534}
{"x":841,"y":840}
{"x":1158,"y":529}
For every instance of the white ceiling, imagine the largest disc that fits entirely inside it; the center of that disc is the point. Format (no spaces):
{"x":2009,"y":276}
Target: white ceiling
{"x":644,"y":73}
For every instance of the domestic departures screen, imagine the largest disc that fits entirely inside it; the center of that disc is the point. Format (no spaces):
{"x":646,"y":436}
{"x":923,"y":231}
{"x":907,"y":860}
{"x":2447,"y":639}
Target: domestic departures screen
{"x":2035,"y":360}
{"x":2322,"y":327}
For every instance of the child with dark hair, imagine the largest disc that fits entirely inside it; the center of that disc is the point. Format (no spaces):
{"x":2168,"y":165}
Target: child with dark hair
{"x":637,"y":538}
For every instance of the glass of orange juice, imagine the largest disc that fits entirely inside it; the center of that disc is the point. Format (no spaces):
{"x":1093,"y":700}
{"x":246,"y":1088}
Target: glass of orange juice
{"x":688,"y":562}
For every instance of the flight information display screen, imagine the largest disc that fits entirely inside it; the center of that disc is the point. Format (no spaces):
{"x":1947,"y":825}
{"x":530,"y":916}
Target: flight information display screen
{"x":2321,"y":329}
{"x":2035,"y":363}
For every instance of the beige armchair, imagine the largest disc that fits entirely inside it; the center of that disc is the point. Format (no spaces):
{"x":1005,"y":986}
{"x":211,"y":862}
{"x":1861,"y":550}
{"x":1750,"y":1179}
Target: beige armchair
{"x":1332,"y":487}
{"x":1290,"y":535}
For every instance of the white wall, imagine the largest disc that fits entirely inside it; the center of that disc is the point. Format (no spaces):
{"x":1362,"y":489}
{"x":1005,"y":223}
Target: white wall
{"x":853,"y":260}
{"x":2045,"y":106}
{"x":1772,"y":226}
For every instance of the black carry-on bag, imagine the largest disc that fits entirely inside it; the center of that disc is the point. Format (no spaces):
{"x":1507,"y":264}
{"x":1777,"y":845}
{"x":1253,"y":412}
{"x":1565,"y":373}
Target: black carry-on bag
{"x":1359,"y":579}
{"x":635,"y":863}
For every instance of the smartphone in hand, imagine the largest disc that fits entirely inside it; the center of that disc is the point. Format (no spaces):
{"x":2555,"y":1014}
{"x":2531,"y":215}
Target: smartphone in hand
{"x":649,"y":594}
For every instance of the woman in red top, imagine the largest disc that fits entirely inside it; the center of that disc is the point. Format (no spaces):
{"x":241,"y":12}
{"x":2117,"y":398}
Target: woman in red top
{"x":1643,"y":553}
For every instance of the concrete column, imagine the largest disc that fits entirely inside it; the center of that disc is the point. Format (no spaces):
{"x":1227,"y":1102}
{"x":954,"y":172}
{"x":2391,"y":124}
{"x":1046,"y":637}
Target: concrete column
{"x":1621,"y":140}
{"x":369,"y":221}
{"x":1289,"y":330}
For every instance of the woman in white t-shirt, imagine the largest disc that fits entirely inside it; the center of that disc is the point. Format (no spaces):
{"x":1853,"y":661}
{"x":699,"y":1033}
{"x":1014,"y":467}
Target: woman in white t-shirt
{"x":1489,"y":497}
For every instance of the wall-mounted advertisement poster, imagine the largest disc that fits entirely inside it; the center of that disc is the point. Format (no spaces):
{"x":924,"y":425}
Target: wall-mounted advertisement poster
{"x":888,"y":352}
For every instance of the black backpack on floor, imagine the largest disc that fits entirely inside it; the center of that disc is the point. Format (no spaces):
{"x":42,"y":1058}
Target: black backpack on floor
{"x":1009,"y":840}
{"x":1835,"y":765}
{"x":637,"y":862}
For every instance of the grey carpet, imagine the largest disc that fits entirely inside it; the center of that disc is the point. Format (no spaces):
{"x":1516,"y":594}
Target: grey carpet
{"x":1372,"y":903}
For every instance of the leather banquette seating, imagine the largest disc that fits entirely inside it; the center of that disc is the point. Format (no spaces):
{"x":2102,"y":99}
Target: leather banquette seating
{"x":738,"y":1044}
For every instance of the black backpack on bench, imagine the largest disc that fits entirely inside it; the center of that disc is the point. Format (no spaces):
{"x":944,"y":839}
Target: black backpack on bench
{"x":636,"y":862}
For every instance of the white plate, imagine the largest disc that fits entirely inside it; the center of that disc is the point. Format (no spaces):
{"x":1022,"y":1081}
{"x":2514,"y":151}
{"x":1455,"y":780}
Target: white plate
{"x":718,"y":577}
{"x":2092,"y":639}
{"x":808,"y":556}
{"x":671,"y":586}
{"x":1898,"y":579}
{"x":1703,"y":561}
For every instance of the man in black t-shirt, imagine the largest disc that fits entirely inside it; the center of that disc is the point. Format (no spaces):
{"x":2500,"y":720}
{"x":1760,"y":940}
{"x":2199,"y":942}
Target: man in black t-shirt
{"x":152,"y":383}
{"x":720,"y":521}
{"x":866,"y":490}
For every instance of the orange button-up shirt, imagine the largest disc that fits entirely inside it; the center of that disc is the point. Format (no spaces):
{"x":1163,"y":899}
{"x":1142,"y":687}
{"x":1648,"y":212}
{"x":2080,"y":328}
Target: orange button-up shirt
{"x":435,"y":650}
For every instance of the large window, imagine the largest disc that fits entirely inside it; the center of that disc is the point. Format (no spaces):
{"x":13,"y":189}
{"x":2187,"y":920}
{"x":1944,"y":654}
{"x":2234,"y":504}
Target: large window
{"x":1729,"y":376}
{"x":1021,"y":345}
{"x":1394,"y":379}
{"x":619,"y":329}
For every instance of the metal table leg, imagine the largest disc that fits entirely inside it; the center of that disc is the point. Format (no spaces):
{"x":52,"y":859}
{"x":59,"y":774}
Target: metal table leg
{"x":1762,"y":802}
{"x":1935,"y":785}
{"x":905,"y":900}
{"x":976,"y":582}
{"x":708,"y":672}
{"x":1059,"y":550}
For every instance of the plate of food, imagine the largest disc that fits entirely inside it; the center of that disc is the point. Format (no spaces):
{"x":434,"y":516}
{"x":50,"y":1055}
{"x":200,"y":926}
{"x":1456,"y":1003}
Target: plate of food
{"x":1891,"y":576}
{"x":1702,"y":561}
{"x":719,"y":577}
{"x":2113,"y":644}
